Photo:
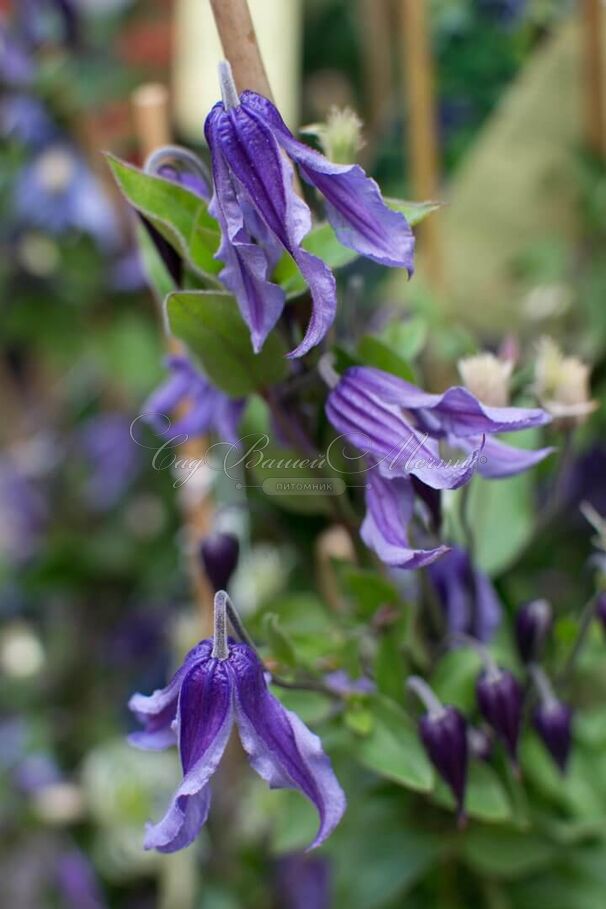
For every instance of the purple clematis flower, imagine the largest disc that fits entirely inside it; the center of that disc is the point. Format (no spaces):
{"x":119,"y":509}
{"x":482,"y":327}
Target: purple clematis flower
{"x":389,"y":510}
{"x":112,"y":458}
{"x":401,"y":425}
{"x":24,"y":118}
{"x":261,"y":215}
{"x":57,"y":192}
{"x":469,"y":601}
{"x":222,"y":682}
{"x":211,"y":410}
{"x":303,"y":882}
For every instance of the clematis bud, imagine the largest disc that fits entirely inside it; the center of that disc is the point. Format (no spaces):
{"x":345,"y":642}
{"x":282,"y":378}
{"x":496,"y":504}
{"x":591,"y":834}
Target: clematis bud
{"x":341,"y":135}
{"x":499,"y":696}
{"x":552,"y":720}
{"x":487,"y":377}
{"x":532,"y":625}
{"x":562,"y":384}
{"x":219,"y":553}
{"x":443,"y":732}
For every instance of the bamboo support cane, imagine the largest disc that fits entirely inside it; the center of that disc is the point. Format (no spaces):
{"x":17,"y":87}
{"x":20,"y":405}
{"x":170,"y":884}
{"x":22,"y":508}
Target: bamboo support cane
{"x":150,"y":106}
{"x":421,"y":133}
{"x":593,"y":62}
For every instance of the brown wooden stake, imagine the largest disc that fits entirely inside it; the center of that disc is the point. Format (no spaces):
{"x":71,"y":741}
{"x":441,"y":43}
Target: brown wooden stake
{"x":240,"y":45}
{"x":376,"y":47}
{"x":152,"y":125}
{"x":595,"y":112}
{"x":421,"y":127}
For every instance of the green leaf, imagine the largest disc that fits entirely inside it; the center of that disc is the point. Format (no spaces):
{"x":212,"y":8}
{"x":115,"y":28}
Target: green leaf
{"x":393,"y":749}
{"x":414,"y":212}
{"x":454,"y":678}
{"x":321,"y":241}
{"x":406,"y":338}
{"x":211,"y":326}
{"x":279,"y":643}
{"x":485,"y":797}
{"x":501,"y":512}
{"x":374,"y":352}
{"x":368,"y":589}
{"x":506,"y":853}
{"x":178,"y":214}
{"x":155,"y":270}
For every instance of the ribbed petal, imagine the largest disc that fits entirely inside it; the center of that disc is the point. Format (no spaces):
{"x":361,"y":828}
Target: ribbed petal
{"x":250,"y":152}
{"x":378,"y":428}
{"x":501,"y":460}
{"x":205,"y":717}
{"x":389,"y":505}
{"x":354,"y":206}
{"x":158,"y":711}
{"x":247,"y":265}
{"x":280,"y":747}
{"x":455,"y":411}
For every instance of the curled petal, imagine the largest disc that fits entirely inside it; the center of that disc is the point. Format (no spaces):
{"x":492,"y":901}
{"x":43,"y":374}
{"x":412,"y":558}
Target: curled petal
{"x":246,"y":271}
{"x":354,"y":206}
{"x":245,"y":153}
{"x":502,"y":460}
{"x":455,"y":411}
{"x":158,"y":711}
{"x":204,"y":721}
{"x":389,"y":505}
{"x":379,"y":428}
{"x":281,"y":748}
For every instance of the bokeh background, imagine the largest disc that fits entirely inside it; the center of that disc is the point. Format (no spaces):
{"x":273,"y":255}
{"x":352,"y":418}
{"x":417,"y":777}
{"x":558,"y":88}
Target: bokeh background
{"x":95,"y":599}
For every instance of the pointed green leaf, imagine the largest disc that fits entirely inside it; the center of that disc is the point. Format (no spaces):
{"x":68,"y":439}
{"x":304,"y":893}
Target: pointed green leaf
{"x":211,"y":326}
{"x":179,"y":215}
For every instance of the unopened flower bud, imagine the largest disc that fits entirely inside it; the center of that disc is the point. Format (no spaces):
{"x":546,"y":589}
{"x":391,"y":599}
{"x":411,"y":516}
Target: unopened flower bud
{"x":553,"y":722}
{"x":443,"y":732}
{"x":487,"y":377}
{"x":340,"y":136}
{"x":499,"y":696}
{"x":562,"y":384}
{"x":532,"y":625}
{"x":219,"y":553}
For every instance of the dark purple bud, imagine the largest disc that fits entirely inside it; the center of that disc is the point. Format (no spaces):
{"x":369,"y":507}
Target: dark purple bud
{"x":553,"y":722}
{"x":444,"y":735}
{"x":600,"y":608}
{"x":533,"y":622}
{"x":219,"y":553}
{"x":499,"y":698}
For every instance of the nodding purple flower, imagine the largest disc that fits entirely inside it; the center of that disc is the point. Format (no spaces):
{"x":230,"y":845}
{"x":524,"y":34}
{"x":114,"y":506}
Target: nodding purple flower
{"x":499,"y":697}
{"x":57,"y":193}
{"x":261,"y":215}
{"x":401,"y":425}
{"x":112,"y":458}
{"x":219,"y":553}
{"x":532,"y":625}
{"x":389,"y":510}
{"x":443,"y":731}
{"x":221,"y":683}
{"x":209,"y":409}
{"x":25,"y":119}
{"x":77,"y":881}
{"x":469,"y":601}
{"x":553,"y":722}
{"x":303,"y":882}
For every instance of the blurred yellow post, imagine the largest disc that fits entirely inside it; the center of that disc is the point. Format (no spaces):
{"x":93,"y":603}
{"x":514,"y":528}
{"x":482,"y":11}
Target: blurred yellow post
{"x":150,"y":104}
{"x":595,"y":113}
{"x":421,"y":131}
